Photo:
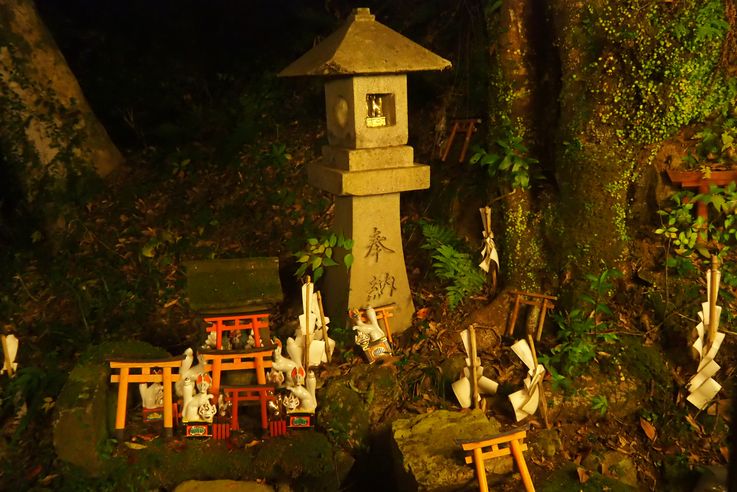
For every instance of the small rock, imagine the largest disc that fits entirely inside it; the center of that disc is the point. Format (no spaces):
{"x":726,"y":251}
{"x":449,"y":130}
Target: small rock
{"x":451,"y":367}
{"x":620,"y":466}
{"x":713,"y":479}
{"x":547,"y":442}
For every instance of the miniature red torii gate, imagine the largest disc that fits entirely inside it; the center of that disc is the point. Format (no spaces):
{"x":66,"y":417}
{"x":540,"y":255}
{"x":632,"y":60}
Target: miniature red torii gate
{"x":467,"y":126}
{"x":383,"y":314}
{"x":515,"y":439}
{"x":252,"y":322}
{"x":257,"y":359}
{"x":541,"y":301}
{"x":260,"y":393}
{"x":701,"y":181}
{"x":128,"y":373}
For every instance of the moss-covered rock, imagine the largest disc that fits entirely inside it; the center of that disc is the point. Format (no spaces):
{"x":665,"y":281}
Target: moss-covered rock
{"x":354,"y":407}
{"x":612,"y":464}
{"x":81,"y":424}
{"x":222,"y":486}
{"x":379,"y":388}
{"x":306,"y":459}
{"x":427,"y":456}
{"x":343,"y":416}
{"x":546,"y":442}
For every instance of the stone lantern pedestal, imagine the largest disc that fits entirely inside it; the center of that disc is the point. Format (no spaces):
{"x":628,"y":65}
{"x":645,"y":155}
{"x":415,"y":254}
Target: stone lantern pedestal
{"x":368,"y":162}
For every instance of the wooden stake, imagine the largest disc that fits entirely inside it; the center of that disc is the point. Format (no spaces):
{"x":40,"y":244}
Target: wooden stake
{"x":541,"y":320}
{"x":308,"y":335}
{"x":474,"y":365}
{"x":712,"y":302}
{"x":515,"y":312}
{"x":541,"y":388}
{"x":328,"y":354}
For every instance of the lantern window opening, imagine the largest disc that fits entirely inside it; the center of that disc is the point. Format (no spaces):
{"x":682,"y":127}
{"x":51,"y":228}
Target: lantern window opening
{"x":380,"y":110}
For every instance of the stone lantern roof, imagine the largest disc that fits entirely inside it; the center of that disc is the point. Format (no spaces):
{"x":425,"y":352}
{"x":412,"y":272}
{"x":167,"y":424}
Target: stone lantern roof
{"x":364,"y":46}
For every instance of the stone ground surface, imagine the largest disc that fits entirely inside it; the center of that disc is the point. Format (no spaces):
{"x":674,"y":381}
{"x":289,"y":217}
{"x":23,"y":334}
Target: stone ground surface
{"x":429,"y":456}
{"x":222,"y":486}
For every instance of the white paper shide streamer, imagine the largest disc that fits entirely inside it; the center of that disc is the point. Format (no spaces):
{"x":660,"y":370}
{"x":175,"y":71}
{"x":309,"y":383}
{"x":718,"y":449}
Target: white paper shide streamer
{"x":526,"y":400}
{"x":463,"y":388}
{"x":702,"y":387}
{"x":488,"y":250}
{"x":10,"y":350}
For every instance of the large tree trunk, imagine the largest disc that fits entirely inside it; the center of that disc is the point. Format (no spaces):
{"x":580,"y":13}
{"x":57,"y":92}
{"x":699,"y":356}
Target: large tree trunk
{"x":595,"y":90}
{"x":515,"y":109}
{"x":49,"y":136}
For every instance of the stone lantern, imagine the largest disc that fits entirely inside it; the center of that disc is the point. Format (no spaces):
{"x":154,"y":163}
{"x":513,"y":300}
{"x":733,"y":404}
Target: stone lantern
{"x":368,"y":162}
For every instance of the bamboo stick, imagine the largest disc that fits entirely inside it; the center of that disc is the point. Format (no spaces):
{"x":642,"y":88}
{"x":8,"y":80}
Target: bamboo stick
{"x":328,"y":353}
{"x":541,"y":320}
{"x":541,"y":388}
{"x":474,"y":365}
{"x":713,"y":301}
{"x":308,"y":335}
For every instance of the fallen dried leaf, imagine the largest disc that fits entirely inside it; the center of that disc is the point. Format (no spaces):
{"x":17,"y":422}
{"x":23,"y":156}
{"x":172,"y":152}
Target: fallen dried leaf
{"x":583,"y":474}
{"x":253,"y":443}
{"x":174,"y":301}
{"x":648,"y":428}
{"x":33,"y":472}
{"x":48,"y":479}
{"x":695,"y":425}
{"x":145,"y":437}
{"x":422,"y":313}
{"x":725,"y":452}
{"x":134,"y":445}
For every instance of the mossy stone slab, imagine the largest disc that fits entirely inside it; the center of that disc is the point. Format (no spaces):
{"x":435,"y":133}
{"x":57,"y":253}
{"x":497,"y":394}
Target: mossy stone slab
{"x":428,"y":458}
{"x":233,"y":286}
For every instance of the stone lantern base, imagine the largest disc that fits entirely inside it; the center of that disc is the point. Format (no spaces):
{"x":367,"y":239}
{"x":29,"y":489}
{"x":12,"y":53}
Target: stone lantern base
{"x":378,"y":276}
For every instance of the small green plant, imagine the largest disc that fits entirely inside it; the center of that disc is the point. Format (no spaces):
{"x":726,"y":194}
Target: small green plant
{"x":452,"y":265}
{"x":509,"y":159}
{"x":30,"y":394}
{"x":689,"y":234}
{"x":716,"y":145}
{"x":600,"y":403}
{"x":318,"y":254}
{"x":583,"y":328}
